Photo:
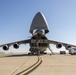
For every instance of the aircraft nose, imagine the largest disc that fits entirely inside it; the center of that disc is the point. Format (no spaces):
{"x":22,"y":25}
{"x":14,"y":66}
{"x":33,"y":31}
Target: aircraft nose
{"x":39,"y":22}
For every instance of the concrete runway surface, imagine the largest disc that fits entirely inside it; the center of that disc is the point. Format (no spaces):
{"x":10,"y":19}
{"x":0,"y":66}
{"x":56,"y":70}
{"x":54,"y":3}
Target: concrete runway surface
{"x":11,"y":64}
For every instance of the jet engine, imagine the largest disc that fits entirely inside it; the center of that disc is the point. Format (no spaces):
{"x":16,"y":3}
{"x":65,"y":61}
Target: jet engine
{"x":67,"y":47}
{"x":16,"y":45}
{"x":58,"y":45}
{"x":5,"y":48}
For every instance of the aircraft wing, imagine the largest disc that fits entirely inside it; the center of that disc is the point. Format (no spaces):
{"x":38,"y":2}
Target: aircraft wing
{"x":60,"y":44}
{"x":17,"y":43}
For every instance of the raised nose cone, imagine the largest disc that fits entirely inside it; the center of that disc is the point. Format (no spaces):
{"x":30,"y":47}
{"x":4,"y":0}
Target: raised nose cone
{"x":39,"y":22}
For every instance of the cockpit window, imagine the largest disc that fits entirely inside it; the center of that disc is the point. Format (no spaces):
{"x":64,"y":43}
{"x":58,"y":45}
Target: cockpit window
{"x":39,"y":31}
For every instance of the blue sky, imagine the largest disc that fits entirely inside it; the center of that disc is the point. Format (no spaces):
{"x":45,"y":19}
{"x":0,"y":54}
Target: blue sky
{"x":16,"y":17}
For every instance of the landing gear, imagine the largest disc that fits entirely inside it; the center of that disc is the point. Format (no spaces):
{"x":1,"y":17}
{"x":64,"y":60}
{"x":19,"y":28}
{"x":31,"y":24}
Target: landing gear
{"x":38,"y":52}
{"x":34,"y":53}
{"x":31,"y":53}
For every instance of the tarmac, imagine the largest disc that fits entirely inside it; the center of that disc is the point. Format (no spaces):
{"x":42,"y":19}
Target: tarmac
{"x":12,"y":64}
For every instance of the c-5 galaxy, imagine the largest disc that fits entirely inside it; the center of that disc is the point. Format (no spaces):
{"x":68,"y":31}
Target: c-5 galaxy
{"x":38,"y":41}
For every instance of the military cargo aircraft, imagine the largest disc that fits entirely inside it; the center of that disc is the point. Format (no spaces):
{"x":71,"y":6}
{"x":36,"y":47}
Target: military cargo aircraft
{"x":38,"y":41}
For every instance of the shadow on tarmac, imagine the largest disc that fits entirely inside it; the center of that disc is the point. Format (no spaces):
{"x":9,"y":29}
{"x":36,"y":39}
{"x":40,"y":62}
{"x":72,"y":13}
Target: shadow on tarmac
{"x":15,"y":55}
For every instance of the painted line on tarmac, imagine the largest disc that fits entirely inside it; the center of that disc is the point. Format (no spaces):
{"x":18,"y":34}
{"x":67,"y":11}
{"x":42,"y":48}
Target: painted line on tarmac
{"x":31,"y":68}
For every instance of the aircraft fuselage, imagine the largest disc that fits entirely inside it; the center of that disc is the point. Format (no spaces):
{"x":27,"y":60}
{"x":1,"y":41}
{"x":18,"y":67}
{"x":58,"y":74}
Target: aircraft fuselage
{"x":39,"y":42}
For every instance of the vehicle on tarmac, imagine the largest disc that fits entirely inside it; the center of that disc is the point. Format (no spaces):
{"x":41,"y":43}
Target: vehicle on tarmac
{"x":62,"y":52}
{"x":72,"y":51}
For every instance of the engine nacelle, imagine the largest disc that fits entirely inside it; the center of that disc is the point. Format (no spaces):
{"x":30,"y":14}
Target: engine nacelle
{"x":67,"y":47}
{"x":5,"y":48}
{"x":16,"y":46}
{"x":58,"y":45}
